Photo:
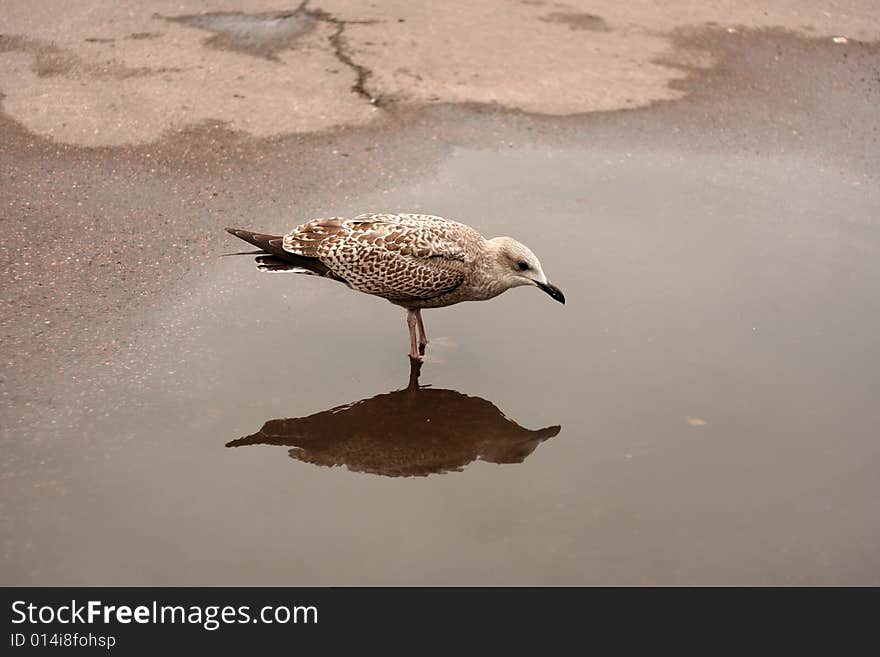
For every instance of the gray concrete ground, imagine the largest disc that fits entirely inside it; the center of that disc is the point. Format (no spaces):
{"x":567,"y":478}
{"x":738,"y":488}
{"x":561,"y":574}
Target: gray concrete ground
{"x":131,"y":134}
{"x":113,"y":73}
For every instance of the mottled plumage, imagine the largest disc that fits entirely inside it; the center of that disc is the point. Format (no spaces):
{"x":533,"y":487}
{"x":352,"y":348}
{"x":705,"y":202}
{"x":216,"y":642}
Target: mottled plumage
{"x":407,"y":259}
{"x":413,"y":260}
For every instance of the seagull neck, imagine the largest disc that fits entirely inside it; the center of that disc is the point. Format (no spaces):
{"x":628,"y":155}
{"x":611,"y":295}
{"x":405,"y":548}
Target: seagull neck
{"x":489,"y":279}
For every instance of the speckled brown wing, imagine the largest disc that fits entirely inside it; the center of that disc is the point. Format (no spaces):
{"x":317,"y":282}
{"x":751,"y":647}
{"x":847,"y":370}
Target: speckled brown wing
{"x":399,"y":257}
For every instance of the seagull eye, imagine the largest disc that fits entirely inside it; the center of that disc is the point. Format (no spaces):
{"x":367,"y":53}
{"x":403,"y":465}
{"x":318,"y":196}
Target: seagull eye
{"x":522,"y":265}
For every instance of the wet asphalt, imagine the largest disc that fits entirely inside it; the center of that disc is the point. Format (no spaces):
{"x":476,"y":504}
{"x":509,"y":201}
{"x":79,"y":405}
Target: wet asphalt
{"x":701,"y":411}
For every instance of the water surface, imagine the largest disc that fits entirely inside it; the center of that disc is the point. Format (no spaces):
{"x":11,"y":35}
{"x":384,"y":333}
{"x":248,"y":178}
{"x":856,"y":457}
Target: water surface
{"x":703,"y":410}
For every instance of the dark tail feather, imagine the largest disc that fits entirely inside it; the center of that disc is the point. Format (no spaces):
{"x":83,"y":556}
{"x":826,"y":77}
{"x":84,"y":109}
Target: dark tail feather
{"x":273,"y":264}
{"x":273,"y":244}
{"x":260,"y":240}
{"x":258,"y":252}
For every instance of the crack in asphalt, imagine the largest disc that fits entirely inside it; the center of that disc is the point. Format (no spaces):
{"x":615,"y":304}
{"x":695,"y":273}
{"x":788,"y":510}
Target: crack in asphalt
{"x":343,"y":51}
{"x":280,"y":30}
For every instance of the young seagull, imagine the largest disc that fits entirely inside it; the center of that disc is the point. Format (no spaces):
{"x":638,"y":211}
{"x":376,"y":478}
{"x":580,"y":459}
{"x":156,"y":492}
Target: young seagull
{"x":413,"y":260}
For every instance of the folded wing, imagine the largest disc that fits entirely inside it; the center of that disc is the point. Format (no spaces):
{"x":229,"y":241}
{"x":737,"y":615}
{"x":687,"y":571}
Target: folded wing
{"x":399,"y":257}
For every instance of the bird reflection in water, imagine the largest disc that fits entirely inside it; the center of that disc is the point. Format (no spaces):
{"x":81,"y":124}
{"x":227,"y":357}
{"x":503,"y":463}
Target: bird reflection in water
{"x":412,"y":432}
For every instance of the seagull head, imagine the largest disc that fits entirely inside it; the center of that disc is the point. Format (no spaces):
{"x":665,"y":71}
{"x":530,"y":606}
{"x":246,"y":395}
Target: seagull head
{"x":515,"y":265}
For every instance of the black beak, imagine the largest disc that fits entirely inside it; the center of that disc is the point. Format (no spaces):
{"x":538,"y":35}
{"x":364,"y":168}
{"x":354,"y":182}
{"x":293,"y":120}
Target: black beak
{"x":553,"y":291}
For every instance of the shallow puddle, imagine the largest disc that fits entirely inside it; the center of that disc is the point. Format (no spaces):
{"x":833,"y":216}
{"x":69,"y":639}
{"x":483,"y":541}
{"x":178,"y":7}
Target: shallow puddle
{"x":703,"y":410}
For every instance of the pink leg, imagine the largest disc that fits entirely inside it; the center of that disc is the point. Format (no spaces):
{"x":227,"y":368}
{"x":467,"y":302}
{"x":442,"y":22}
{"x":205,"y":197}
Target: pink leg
{"x":411,"y":321}
{"x":423,"y":337}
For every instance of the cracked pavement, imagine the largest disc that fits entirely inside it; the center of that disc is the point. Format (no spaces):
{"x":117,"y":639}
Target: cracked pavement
{"x":116,"y":73}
